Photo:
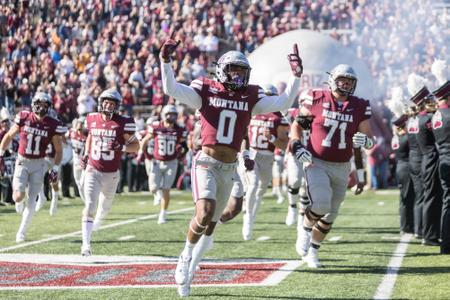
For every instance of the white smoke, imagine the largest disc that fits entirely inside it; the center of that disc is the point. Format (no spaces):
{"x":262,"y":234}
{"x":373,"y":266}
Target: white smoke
{"x":415,"y":83}
{"x":439,"y":70}
{"x":397,"y":104}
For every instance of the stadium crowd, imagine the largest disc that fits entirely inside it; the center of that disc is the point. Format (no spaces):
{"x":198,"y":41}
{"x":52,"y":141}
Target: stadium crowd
{"x":76,"y":49}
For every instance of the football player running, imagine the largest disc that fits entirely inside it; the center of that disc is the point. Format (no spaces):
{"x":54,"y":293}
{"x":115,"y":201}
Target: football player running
{"x":36,"y":131}
{"x":340,"y":122}
{"x":266,"y":132}
{"x":226,"y":106}
{"x":109,"y":135}
{"x":167,"y":136}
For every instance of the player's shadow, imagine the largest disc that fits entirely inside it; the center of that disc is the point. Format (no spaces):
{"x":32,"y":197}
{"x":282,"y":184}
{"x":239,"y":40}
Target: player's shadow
{"x":354,"y":269}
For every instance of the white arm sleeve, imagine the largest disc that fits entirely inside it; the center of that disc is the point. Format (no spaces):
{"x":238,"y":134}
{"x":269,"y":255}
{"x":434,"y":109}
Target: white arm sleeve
{"x":181,"y":92}
{"x":282,"y":102}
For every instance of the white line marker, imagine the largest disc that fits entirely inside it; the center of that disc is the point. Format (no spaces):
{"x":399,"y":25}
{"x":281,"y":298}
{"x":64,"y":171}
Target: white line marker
{"x":282,"y":273}
{"x":335,"y":238}
{"x":391,"y":237}
{"x":386,"y":286}
{"x":126,"y":238}
{"x":263,"y":238}
{"x":388,"y":192}
{"x":76,"y":233}
{"x":381,"y":203}
{"x":142,"y":202}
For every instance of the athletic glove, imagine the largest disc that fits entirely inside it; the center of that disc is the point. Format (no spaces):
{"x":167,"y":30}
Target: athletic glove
{"x":168,"y":48}
{"x":249,"y":164}
{"x":114,"y":145}
{"x":84,"y":162}
{"x":300,"y":152}
{"x":53,"y":174}
{"x":362,"y":140}
{"x":296,"y":62}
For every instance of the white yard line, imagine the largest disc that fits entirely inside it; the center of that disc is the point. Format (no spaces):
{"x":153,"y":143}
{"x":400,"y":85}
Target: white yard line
{"x":126,"y":238}
{"x":386,"y":286}
{"x":282,"y":273}
{"x":334,"y":238}
{"x":76,"y":233}
{"x":263,"y":238}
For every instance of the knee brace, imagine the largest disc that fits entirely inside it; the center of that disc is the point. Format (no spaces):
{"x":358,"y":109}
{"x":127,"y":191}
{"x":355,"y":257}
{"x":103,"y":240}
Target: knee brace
{"x":323,"y":226}
{"x":201,"y":227}
{"x":293,"y":191}
{"x":311,"y":215}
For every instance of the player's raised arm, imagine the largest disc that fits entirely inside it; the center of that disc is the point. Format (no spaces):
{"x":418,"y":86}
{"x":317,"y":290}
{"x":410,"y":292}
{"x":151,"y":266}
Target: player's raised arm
{"x":284,"y":101}
{"x":183,"y":93}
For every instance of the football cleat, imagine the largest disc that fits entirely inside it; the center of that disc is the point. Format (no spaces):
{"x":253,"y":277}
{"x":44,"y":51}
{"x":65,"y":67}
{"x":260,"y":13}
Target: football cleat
{"x":184,"y":290}
{"x":86,"y":251}
{"x":280,"y":199}
{"x":53,"y":207}
{"x":182,"y":270}
{"x":291,"y":217}
{"x":40,"y":202}
{"x":20,"y":237}
{"x":303,"y":242}
{"x":20,"y":206}
{"x":312,"y":259}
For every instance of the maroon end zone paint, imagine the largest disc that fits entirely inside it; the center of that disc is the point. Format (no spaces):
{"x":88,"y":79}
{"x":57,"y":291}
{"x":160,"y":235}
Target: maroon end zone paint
{"x":60,"y":276}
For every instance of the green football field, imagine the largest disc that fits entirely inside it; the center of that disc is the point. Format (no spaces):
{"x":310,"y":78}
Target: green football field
{"x":356,"y":254}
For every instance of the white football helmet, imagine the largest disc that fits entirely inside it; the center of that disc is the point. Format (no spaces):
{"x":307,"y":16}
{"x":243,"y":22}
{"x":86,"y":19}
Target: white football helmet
{"x":340,"y":71}
{"x":232,"y":81}
{"x":41,"y":97}
{"x":169,"y":113}
{"x":270,"y":89}
{"x":109,"y":94}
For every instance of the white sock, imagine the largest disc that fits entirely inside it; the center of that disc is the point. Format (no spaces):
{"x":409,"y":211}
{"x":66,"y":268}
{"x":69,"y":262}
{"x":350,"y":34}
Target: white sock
{"x":42,"y":195}
{"x":86,"y":232}
{"x":55,"y":195}
{"x":27,"y":215}
{"x":188,"y":248}
{"x":199,"y":250}
{"x":293,"y":199}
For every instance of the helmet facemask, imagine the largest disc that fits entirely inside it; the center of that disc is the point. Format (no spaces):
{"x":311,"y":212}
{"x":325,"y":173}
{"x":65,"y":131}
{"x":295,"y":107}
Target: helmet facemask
{"x":41,"y":103}
{"x":336,"y":82}
{"x":40,"y":107}
{"x":233,"y":70}
{"x":236,"y":76}
{"x":107,"y":110}
{"x":171,"y":118}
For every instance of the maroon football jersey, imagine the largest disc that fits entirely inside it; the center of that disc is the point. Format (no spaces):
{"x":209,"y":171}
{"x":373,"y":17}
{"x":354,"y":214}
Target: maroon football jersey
{"x":78,"y":140}
{"x":334,"y":124}
{"x":166,"y":140}
{"x":103,"y":131}
{"x":225,"y":114}
{"x":35,"y":135}
{"x":258,"y":126}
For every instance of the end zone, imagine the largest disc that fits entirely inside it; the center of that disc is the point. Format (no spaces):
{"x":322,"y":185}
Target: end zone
{"x":32,"y":271}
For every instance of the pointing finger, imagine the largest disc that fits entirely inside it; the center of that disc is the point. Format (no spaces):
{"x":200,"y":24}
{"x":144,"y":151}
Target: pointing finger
{"x":295,"y":49}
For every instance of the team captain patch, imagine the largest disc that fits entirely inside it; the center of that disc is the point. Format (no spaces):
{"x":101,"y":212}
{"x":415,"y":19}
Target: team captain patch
{"x":117,"y":274}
